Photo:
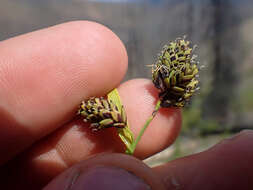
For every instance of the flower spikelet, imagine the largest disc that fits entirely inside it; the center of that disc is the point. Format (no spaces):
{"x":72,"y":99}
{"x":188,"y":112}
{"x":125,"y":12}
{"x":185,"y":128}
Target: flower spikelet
{"x":102,"y":113}
{"x":175,"y":73}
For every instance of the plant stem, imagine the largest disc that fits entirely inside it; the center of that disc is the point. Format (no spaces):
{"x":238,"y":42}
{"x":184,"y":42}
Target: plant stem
{"x":133,"y":146}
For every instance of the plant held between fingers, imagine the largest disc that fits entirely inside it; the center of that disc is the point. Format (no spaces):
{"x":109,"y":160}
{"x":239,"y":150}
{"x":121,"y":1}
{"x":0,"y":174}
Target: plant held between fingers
{"x":175,"y":74}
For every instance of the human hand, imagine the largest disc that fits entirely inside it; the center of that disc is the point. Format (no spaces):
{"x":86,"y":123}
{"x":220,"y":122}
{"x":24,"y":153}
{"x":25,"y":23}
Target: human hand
{"x":225,"y":166}
{"x":46,"y":74}
{"x":44,"y":77}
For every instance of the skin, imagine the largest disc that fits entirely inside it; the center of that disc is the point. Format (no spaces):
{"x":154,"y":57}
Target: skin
{"x":44,"y":77}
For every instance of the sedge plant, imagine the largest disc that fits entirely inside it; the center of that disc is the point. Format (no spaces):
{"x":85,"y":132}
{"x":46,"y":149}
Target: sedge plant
{"x":174,"y":74}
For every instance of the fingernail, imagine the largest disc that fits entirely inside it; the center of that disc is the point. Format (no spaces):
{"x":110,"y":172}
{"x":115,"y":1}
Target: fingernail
{"x":103,"y":178}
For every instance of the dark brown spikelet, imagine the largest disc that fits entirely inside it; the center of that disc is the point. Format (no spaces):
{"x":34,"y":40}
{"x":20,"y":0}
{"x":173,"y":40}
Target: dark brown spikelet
{"x":102,"y":113}
{"x":175,"y":73}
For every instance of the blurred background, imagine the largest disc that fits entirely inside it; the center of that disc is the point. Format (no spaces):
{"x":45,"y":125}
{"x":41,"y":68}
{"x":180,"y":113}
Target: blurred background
{"x":221,"y":29}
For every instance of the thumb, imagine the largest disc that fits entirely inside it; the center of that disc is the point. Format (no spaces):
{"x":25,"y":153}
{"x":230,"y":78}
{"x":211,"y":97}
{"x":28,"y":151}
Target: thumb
{"x":228,"y":165}
{"x":108,"y":171}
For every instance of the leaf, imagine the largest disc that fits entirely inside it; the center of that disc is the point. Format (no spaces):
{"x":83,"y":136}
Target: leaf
{"x":125,"y":133}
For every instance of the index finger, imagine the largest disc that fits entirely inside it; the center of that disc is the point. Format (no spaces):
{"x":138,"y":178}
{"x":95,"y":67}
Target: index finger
{"x":45,"y":74}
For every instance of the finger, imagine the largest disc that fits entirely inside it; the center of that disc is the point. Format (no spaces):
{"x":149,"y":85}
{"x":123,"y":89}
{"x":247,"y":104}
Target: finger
{"x":108,"y":171}
{"x":45,"y":75}
{"x":139,"y":98}
{"x":75,"y":142}
{"x":227,"y":165}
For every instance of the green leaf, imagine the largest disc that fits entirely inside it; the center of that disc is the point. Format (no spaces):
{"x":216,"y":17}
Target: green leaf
{"x":125,"y":133}
{"x":115,"y":98}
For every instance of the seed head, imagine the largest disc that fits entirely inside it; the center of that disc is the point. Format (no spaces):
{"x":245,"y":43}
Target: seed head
{"x":175,"y":73}
{"x":102,"y":113}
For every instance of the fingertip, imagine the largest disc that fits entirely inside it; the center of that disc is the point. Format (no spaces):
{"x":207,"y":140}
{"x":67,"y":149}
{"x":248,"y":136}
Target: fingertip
{"x":139,"y":97}
{"x":45,"y":74}
{"x":74,"y":56}
{"x":100,"y":49}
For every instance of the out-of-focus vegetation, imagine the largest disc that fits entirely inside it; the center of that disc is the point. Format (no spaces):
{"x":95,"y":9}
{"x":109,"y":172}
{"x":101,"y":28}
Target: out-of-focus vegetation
{"x":222,"y":30}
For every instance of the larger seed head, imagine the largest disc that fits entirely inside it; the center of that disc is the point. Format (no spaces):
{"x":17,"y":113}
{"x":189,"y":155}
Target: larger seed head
{"x":175,"y":73}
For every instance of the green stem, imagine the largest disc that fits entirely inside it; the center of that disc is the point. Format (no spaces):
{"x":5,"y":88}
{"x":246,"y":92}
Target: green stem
{"x":134,"y":144}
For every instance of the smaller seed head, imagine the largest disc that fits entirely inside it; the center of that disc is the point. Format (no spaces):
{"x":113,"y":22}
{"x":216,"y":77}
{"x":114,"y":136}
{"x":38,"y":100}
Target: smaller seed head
{"x":102,"y":113}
